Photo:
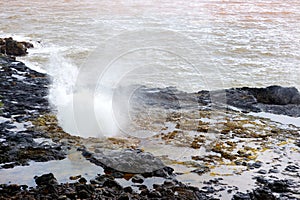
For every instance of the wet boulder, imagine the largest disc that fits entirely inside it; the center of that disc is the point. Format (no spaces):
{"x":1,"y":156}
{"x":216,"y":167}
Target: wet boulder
{"x":129,"y":161}
{"x":275,"y":95}
{"x":9,"y":46}
{"x":45,"y":179}
{"x":273,"y":99}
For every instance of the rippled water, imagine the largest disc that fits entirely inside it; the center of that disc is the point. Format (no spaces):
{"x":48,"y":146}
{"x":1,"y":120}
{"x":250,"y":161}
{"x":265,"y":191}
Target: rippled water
{"x":252,"y":43}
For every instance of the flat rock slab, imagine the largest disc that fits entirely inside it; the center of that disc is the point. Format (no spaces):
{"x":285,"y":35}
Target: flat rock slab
{"x":129,"y":161}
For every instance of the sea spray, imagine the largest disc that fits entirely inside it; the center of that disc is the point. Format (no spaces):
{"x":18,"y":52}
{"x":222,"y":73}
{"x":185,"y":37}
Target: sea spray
{"x":63,"y":74}
{"x":104,"y":112}
{"x":62,"y":92}
{"x":88,"y":98}
{"x":136,"y":57}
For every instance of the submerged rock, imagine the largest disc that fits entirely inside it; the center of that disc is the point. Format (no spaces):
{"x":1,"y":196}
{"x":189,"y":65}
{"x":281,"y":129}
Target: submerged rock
{"x":45,"y":179}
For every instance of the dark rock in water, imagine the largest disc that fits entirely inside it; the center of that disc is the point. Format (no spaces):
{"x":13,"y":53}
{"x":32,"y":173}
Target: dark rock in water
{"x":128,"y":160}
{"x":272,"y":95}
{"x":4,"y":59}
{"x":20,"y":148}
{"x":9,"y":46}
{"x":128,"y":189}
{"x":261,"y":179}
{"x":201,"y":170}
{"x":208,"y":189}
{"x":273,"y":99}
{"x":241,"y":196}
{"x":82,"y":180}
{"x":279,"y":186}
{"x":45,"y":179}
{"x":154,"y":194}
{"x":137,"y":179}
{"x":292,"y":168}
{"x":270,"y":186}
{"x":49,"y":189}
{"x":256,"y":164}
{"x":241,"y":99}
{"x":165,"y":172}
{"x":262,"y":193}
{"x":273,"y":171}
{"x":275,"y":95}
{"x":256,"y":194}
{"x":262,"y":171}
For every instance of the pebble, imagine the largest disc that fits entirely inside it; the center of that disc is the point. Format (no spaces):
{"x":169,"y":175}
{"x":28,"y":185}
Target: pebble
{"x":137,"y":179}
{"x":273,"y":171}
{"x":262,"y":171}
{"x":82,"y":180}
{"x":292,"y":168}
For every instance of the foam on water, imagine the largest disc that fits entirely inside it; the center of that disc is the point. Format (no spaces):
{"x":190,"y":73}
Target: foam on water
{"x":287,"y":120}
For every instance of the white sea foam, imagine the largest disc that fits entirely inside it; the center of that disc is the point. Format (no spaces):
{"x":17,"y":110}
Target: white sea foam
{"x":278,"y":118}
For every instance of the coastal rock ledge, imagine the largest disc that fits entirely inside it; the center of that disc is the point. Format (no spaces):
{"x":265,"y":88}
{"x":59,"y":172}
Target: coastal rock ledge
{"x":273,"y":99}
{"x":11,"y":47}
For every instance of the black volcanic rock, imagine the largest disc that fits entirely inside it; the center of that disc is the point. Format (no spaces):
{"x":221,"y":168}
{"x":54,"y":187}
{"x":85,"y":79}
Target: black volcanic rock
{"x":45,"y":179}
{"x":273,"y":99}
{"x":110,"y":189}
{"x":11,"y":47}
{"x":275,"y":95}
{"x":23,"y":96}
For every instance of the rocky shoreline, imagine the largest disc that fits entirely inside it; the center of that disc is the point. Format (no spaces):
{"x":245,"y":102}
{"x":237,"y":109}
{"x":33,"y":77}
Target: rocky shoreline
{"x":273,"y":99}
{"x":23,"y":95}
{"x":30,"y":132}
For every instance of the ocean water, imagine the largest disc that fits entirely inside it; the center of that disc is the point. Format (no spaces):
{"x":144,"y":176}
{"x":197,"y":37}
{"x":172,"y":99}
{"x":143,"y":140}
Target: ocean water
{"x":93,"y":45}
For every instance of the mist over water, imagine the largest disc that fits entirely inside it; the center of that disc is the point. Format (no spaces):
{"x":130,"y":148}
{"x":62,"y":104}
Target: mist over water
{"x":246,"y":43}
